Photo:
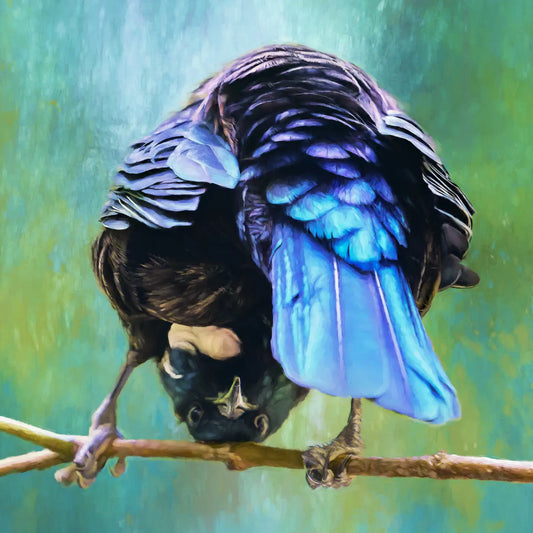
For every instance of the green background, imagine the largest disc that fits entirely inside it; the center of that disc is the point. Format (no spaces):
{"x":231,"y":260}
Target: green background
{"x":80,"y":80}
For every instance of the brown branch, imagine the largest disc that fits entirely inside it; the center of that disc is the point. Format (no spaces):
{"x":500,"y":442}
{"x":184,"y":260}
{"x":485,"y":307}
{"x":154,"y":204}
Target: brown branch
{"x":443,"y":466}
{"x":240,"y":456}
{"x":40,"y":460}
{"x":62,"y":444}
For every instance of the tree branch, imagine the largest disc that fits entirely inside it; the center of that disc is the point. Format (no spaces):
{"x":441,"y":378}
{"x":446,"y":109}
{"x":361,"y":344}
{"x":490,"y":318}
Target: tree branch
{"x":244,"y":455}
{"x":40,"y":460}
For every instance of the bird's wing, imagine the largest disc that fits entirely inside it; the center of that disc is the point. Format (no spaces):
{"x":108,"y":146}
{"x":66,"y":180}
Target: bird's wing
{"x":345,"y":321}
{"x":164,"y":177}
{"x":449,"y":201}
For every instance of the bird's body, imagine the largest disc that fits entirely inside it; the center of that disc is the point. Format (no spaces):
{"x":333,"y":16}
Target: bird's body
{"x":293,"y":203}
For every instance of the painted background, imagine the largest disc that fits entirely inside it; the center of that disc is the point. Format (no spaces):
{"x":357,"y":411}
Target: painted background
{"x":80,"y":80}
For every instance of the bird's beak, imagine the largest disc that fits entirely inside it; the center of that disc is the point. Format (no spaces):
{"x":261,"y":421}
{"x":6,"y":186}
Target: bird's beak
{"x":233,"y":404}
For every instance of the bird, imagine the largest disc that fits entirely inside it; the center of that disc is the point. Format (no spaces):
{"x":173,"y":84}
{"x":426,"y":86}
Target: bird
{"x":285,"y":231}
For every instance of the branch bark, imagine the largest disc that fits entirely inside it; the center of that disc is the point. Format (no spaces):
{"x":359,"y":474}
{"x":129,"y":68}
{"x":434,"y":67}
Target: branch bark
{"x":244,"y":455}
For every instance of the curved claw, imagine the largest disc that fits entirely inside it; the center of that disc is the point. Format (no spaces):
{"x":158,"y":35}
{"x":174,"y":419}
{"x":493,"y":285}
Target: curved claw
{"x":119,"y":467}
{"x":66,"y":476}
{"x":326,"y":466}
{"x":316,"y":478}
{"x":313,"y":478}
{"x":84,"y":482}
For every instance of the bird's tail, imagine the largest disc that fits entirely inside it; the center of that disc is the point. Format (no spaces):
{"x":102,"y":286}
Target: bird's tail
{"x":352,"y":333}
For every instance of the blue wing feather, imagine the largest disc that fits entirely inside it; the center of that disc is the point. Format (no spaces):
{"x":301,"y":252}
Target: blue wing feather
{"x":281,"y":192}
{"x":352,"y":333}
{"x":345,"y":321}
{"x":167,"y":172}
{"x":357,"y":192}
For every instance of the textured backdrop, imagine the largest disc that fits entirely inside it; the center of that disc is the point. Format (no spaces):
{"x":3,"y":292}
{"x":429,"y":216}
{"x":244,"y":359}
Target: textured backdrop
{"x":80,"y":80}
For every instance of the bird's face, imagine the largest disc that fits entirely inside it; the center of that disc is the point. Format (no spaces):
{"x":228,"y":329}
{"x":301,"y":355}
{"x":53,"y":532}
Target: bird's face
{"x":227,"y":417}
{"x":243,"y":398}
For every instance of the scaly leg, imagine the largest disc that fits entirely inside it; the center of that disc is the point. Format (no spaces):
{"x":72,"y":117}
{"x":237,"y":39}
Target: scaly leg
{"x":326,"y":464}
{"x":89,"y":459}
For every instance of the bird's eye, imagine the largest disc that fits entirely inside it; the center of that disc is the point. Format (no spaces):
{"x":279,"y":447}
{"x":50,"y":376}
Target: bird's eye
{"x":194,"y":415}
{"x":261,"y":423}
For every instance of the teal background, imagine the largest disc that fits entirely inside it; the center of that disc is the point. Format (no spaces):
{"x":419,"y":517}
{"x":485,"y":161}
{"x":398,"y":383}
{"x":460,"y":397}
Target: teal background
{"x":80,"y":80}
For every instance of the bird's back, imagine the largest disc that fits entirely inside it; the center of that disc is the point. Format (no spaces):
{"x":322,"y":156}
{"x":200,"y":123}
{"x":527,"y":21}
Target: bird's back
{"x":290,"y":112}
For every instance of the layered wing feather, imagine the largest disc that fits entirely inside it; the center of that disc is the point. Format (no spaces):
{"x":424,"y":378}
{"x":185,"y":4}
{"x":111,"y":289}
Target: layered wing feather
{"x":451,"y":202}
{"x":164,"y":177}
{"x":345,"y":321}
{"x":352,"y":333}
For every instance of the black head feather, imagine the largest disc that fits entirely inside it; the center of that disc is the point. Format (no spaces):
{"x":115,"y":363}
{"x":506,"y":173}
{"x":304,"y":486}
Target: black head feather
{"x":195,"y":382}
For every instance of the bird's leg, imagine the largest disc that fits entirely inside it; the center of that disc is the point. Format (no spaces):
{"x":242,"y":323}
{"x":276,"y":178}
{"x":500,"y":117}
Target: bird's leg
{"x":147,"y":338}
{"x":326,"y":464}
{"x":89,"y":459}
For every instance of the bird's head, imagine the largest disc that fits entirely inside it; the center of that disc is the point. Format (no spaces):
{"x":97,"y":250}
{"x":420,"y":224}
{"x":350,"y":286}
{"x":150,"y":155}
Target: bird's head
{"x":245,"y":397}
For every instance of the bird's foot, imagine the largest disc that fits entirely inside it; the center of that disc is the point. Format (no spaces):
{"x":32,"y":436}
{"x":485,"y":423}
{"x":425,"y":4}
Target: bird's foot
{"x":90,"y":457}
{"x":326,"y":464}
